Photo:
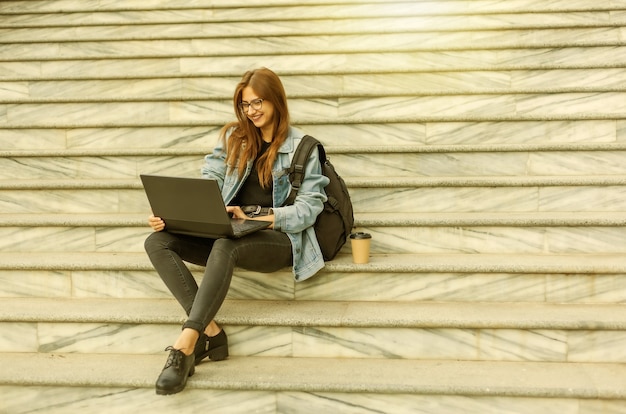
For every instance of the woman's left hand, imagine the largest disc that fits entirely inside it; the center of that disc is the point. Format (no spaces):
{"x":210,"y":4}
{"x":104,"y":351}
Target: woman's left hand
{"x":156,"y":223}
{"x":238,"y":213}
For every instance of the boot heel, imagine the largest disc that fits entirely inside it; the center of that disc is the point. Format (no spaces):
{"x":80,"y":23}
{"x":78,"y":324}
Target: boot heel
{"x":218,"y":354}
{"x":216,"y":348}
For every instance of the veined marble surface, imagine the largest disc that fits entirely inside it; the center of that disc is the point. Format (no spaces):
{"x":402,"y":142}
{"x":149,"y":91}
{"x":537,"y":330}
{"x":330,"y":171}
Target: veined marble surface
{"x":70,"y":201}
{"x":106,"y":167}
{"x":365,"y":200}
{"x":554,"y":58}
{"x":444,"y":133}
{"x":234,"y":66}
{"x":148,"y":285}
{"x":20,"y":139}
{"x":208,"y":87}
{"x":388,"y":42}
{"x":386,"y":240}
{"x":376,"y":165}
{"x":491,"y":287}
{"x":41,"y":239}
{"x":365,"y":110}
{"x":333,"y":19}
{"x":499,"y":240}
{"x":417,"y":61}
{"x":204,"y":10}
{"x":357,"y":135}
{"x":475,"y":199}
{"x":468,"y":164}
{"x":150,"y":138}
{"x":35,"y":284}
{"x":505,"y":344}
{"x":64,"y":400}
{"x":467,"y":344}
{"x":314,"y":85}
{"x":373,"y":8}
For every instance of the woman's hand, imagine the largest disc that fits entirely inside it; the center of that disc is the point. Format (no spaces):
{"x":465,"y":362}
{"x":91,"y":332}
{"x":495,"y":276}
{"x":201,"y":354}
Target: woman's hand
{"x":156,"y":223}
{"x":237,"y":212}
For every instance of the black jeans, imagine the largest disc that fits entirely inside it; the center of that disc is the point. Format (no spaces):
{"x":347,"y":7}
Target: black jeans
{"x":263,"y":251}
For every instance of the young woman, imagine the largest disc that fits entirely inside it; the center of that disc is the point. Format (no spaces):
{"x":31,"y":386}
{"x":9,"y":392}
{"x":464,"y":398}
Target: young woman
{"x":249,"y":164}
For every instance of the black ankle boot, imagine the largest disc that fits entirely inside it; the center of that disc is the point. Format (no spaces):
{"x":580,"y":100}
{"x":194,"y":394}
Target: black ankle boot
{"x":214,"y":347}
{"x":177,"y":369}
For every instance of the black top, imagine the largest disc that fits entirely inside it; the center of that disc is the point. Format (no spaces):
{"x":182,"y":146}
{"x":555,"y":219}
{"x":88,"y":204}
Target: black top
{"x":251,"y":192}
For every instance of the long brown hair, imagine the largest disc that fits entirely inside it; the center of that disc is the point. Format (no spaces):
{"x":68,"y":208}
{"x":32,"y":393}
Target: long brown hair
{"x":246,"y":139}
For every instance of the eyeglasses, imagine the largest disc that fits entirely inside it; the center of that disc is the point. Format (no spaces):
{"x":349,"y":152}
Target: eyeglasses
{"x":255,"y":104}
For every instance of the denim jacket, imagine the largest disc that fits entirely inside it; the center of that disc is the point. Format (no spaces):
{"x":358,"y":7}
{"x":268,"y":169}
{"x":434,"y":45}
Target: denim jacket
{"x":295,"y":220}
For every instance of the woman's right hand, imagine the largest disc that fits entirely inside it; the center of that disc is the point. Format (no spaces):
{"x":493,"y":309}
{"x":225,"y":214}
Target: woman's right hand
{"x":156,"y":223}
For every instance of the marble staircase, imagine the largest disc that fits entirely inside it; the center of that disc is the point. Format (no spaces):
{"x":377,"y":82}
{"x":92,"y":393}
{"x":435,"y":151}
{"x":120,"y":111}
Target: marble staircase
{"x":483,"y":144}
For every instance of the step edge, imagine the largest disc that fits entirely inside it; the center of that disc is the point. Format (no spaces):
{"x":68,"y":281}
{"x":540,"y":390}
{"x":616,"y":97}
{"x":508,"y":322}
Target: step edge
{"x":330,"y":149}
{"x":351,"y":182}
{"x":534,"y":380}
{"x":329,"y":314}
{"x":379,"y":263}
{"x":480,"y":219}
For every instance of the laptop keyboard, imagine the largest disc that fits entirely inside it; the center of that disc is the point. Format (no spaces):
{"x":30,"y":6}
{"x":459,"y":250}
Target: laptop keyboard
{"x":239,"y":225}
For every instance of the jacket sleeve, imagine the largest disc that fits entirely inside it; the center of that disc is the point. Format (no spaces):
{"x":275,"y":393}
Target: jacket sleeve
{"x":215,"y":164}
{"x":308,"y":203}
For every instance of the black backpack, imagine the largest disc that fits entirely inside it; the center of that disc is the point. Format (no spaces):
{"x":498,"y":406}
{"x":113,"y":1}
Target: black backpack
{"x":334,"y":224}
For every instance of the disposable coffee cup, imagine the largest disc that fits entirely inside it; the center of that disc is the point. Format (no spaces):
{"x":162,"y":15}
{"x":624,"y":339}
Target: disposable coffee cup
{"x":360,"y":247}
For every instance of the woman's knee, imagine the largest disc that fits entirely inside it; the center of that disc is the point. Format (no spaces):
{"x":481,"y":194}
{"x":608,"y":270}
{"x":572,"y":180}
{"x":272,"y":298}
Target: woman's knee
{"x":227,"y":247}
{"x":156,"y":241}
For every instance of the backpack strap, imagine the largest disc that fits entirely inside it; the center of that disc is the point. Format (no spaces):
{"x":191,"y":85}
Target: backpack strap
{"x":298,"y":164}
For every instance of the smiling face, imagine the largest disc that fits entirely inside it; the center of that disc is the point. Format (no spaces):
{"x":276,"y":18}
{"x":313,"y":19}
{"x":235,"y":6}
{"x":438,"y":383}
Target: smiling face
{"x":262,"y":118}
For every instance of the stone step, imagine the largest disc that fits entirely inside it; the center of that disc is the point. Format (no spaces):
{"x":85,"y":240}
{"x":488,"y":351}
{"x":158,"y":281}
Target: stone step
{"x":505,"y":233}
{"x":180,"y":11}
{"x":383,"y":43}
{"x":400,"y":237}
{"x":239,"y":385}
{"x":474,"y":194}
{"x":453,"y":331}
{"x":170,"y":25}
{"x":523,"y":59}
{"x":366,"y":162}
{"x":420,"y":137}
{"x":317,"y":86}
{"x":489,"y":219}
{"x":319,"y":63}
{"x":332,"y":148}
{"x":411,"y":197}
{"x":400,"y":263}
{"x":136,"y":280}
{"x":387,"y":240}
{"x":369,"y":195}
{"x":464,"y":108}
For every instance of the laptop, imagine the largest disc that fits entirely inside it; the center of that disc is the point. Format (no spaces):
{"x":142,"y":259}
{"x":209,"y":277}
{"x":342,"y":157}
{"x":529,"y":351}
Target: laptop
{"x":194,"y":207}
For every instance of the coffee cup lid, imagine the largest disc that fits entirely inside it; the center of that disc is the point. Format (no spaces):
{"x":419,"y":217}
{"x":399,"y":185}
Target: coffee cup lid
{"x":360,"y":235}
